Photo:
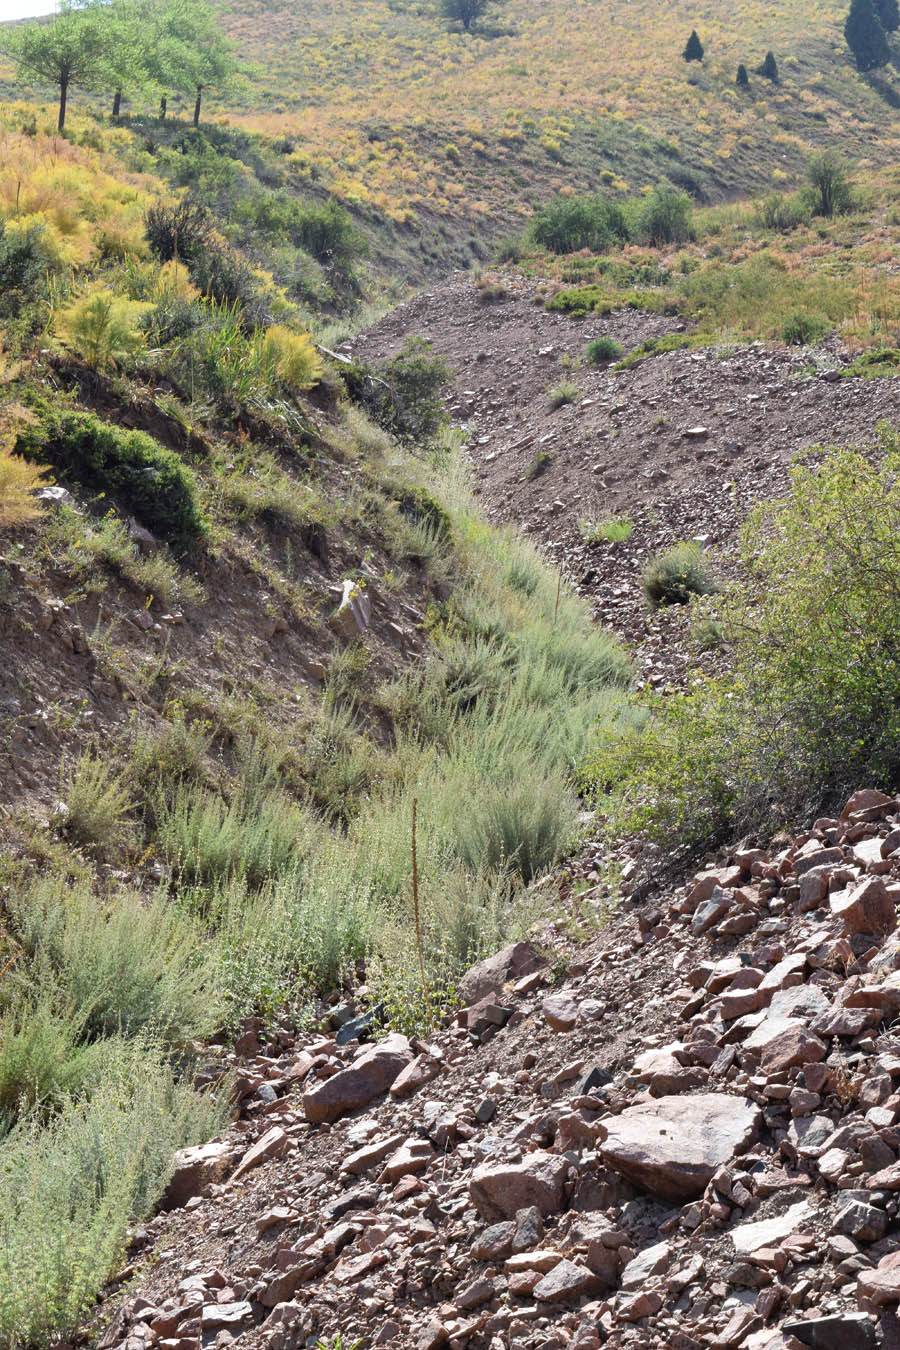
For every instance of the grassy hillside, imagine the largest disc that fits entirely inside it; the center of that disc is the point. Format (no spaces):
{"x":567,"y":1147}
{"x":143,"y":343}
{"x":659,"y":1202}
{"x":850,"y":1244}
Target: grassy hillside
{"x":391,"y":107}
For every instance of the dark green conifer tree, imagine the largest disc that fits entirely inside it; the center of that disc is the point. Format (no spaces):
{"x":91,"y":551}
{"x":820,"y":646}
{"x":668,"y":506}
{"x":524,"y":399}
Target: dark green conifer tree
{"x":769,"y":68}
{"x":865,"y":36}
{"x":694,"y":49}
{"x":743,"y":79}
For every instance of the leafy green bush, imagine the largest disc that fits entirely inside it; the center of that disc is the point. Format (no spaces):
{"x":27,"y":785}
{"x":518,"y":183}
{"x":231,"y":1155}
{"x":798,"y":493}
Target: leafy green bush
{"x":568,"y":224}
{"x":97,"y":800}
{"x":27,"y":265}
{"x":603,"y":350}
{"x":124,"y":968}
{"x":143,"y":478}
{"x":664,"y":217}
{"x":671,"y":578}
{"x":784,"y":211}
{"x":802,"y":328}
{"x":830,"y":184}
{"x":404,"y":395}
{"x":813,"y":706}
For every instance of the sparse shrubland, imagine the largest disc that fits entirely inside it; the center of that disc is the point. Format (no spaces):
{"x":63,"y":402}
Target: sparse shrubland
{"x":810,"y":709}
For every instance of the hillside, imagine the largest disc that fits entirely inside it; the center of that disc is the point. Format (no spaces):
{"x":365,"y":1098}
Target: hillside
{"x":466,"y":132}
{"x":450,"y":690}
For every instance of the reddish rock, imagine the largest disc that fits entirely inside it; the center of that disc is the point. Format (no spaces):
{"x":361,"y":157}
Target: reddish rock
{"x":365,"y":1079}
{"x":274,"y":1144}
{"x":489,"y":976}
{"x":567,"y":1282}
{"x":422,"y":1070}
{"x":866,"y":799}
{"x":867,"y":908}
{"x":370,"y":1155}
{"x":196,"y":1168}
{"x":672,"y":1146}
{"x":560,"y":1011}
{"x":878,"y":1287}
{"x":500,"y":1190}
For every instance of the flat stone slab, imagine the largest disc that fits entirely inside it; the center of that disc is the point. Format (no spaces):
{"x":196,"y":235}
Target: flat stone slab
{"x":750,"y":1237}
{"x":671,"y":1147}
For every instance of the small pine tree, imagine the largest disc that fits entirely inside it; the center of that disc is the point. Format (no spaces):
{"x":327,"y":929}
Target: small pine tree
{"x":888,"y":12}
{"x":694,"y":49}
{"x":769,"y":68}
{"x":865,"y":36}
{"x":743,"y":79}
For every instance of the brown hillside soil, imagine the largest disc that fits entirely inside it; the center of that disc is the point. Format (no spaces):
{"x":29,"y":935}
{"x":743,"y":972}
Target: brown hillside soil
{"x":623,"y":448}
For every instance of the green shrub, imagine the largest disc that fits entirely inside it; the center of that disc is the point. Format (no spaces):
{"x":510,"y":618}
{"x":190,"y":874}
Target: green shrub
{"x":602,"y":350}
{"x":830,"y":184}
{"x":769,"y":68}
{"x":812,"y":708}
{"x":404,"y":395}
{"x":616,"y":530}
{"x":671,"y":578}
{"x":125,"y":967}
{"x":183,"y":230}
{"x":672,"y":342}
{"x":69,"y":1190}
{"x":568,"y":224}
{"x":143,"y":478}
{"x":664,"y":217}
{"x":561,"y":394}
{"x":524,"y":825}
{"x":801,"y":329}
{"x":784,"y":211}
{"x":97,"y":801}
{"x":26,"y":268}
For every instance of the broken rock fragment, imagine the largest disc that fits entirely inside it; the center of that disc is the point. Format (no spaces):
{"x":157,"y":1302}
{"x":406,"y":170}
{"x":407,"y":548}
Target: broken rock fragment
{"x":500,"y":1190}
{"x":366,"y":1078}
{"x":671,"y":1147}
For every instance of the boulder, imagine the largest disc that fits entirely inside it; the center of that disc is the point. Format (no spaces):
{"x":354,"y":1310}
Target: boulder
{"x":490,"y":975}
{"x":196,"y":1168}
{"x":360,"y":1083}
{"x":867,"y":908}
{"x":499,"y":1190}
{"x":671,"y":1147}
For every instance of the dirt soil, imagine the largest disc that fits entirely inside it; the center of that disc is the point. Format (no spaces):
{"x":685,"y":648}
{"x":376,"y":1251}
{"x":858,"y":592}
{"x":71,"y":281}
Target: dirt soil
{"x":683,"y":443}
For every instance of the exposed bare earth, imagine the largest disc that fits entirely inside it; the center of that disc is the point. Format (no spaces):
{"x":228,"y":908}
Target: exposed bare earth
{"x":623,"y":448}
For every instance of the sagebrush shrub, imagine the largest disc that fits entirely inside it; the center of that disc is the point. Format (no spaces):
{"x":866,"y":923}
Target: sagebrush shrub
{"x":671,"y":578}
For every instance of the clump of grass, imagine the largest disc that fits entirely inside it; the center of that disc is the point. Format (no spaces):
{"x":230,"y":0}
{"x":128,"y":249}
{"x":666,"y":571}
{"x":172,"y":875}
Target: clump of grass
{"x":561,"y":394}
{"x":672,"y":342}
{"x":603,"y":350}
{"x":540,"y":464}
{"x":613,"y":531}
{"x":70,"y":1189}
{"x":673,"y":577}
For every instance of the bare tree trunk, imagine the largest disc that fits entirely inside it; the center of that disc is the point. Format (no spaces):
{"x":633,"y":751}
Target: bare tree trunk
{"x":63,"y":99}
{"x":162,"y":108}
{"x":197,"y":105}
{"x":117,"y":103}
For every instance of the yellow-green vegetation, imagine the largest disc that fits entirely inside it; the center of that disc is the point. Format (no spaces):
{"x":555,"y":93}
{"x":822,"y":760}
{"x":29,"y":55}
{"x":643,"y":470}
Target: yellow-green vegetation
{"x":550,"y":99}
{"x":173,"y":387}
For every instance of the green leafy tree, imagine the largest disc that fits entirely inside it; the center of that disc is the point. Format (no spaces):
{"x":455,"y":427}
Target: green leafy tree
{"x":187,"y":51}
{"x":73,"y":47}
{"x":694,"y":48}
{"x":466,"y":12}
{"x":769,"y":68}
{"x":743,"y":79}
{"x":865,"y":36}
{"x":888,"y":12}
{"x":830,"y":185}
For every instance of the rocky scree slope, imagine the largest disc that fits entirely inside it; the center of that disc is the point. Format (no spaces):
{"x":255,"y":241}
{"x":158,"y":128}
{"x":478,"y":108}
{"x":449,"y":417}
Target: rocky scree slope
{"x":683,"y":443}
{"x":690,"y":1139}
